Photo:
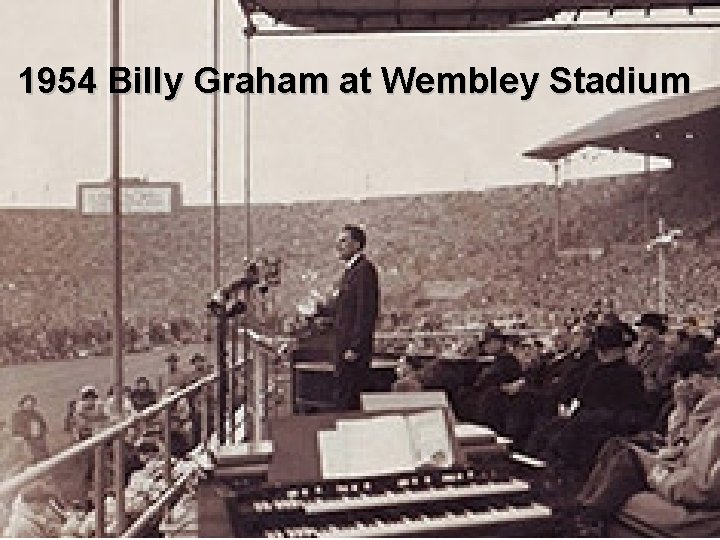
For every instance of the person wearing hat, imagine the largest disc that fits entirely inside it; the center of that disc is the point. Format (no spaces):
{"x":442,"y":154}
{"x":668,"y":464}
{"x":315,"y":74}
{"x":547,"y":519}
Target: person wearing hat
{"x":142,"y":396}
{"x":484,"y":402}
{"x":90,"y":413}
{"x":650,"y":354}
{"x":607,"y":403}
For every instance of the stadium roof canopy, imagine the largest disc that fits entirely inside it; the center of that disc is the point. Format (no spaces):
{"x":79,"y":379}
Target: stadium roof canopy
{"x":674,"y":126}
{"x":407,"y":15}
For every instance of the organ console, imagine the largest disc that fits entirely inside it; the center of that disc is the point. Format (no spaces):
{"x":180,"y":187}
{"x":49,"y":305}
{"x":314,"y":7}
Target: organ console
{"x":454,"y":501}
{"x":294,"y":499}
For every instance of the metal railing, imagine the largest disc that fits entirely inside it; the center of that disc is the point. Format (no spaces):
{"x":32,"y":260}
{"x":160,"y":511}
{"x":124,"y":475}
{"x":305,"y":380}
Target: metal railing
{"x":115,"y":434}
{"x":260,"y":353}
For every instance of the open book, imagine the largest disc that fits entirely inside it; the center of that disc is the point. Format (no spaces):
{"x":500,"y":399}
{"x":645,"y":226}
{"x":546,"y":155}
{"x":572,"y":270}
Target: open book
{"x":385,"y":444}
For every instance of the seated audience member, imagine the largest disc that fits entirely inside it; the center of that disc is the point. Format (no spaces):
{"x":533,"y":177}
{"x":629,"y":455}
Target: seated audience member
{"x":408,"y":379}
{"x":526,"y":396}
{"x":612,"y":318}
{"x":699,"y":342}
{"x":684,"y":364}
{"x":650,"y":353}
{"x":29,"y":424}
{"x":454,"y":378}
{"x":566,"y":374}
{"x":483,"y":403}
{"x":142,"y":396}
{"x":608,"y":402}
{"x":683,"y":467}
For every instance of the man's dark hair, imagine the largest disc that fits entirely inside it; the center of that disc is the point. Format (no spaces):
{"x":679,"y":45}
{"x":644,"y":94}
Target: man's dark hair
{"x":27,"y":398}
{"x":357,"y":234}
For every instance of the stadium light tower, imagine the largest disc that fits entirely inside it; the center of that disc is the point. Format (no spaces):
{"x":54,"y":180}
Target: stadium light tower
{"x":664,"y":240}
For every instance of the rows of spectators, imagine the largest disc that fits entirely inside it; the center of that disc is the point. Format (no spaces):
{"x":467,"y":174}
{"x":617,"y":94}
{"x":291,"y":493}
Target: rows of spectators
{"x":620,"y":408}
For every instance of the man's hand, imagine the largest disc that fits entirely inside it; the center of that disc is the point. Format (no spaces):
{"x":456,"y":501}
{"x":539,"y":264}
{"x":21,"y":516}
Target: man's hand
{"x":670,"y":452}
{"x":350,"y":355}
{"x":682,"y":392}
{"x":513,"y":387}
{"x":566,"y":411}
{"x":657,"y":475}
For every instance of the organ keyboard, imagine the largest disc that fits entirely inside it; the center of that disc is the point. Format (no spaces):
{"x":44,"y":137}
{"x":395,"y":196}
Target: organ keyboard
{"x":410,"y":504}
{"x":421,"y":524}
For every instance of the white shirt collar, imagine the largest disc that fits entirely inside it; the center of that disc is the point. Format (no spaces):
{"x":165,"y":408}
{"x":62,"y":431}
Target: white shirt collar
{"x":352,"y":260}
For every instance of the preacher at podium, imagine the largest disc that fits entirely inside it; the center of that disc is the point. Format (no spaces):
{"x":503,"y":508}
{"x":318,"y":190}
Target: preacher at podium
{"x":356,"y":312}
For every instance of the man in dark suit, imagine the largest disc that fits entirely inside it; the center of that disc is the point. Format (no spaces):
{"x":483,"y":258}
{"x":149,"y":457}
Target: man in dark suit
{"x":356,"y":312}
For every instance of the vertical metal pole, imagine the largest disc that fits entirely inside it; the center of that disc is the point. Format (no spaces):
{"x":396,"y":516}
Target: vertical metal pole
{"x":221,"y":367}
{"x":116,"y":133}
{"x":99,"y":495}
{"x":661,"y":269}
{"x":556,"y":169}
{"x":251,"y":373}
{"x":116,"y":213}
{"x":249,"y":31}
{"x":258,"y":395}
{"x":204,"y":412}
{"x":646,"y":170}
{"x":232,"y":377}
{"x":167,"y":438}
{"x":215,"y":209}
{"x":119,"y":481}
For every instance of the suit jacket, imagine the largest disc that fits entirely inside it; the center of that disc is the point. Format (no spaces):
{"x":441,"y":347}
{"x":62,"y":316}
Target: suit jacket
{"x":357,"y":308}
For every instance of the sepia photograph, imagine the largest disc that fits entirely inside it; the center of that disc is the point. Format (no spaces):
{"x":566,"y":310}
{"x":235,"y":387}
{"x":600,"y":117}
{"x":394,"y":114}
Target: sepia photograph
{"x":359,"y":268}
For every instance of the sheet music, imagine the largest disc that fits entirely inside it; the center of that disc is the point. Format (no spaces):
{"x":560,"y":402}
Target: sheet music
{"x":474,"y":432}
{"x":430,"y":438}
{"x":376,"y":446}
{"x":385,"y":445}
{"x":333,"y":458}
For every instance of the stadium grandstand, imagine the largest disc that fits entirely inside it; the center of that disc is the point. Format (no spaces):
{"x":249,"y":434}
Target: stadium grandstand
{"x":501,"y":237}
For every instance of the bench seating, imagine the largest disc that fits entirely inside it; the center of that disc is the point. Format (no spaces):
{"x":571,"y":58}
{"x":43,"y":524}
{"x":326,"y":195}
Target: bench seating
{"x":647,"y":514}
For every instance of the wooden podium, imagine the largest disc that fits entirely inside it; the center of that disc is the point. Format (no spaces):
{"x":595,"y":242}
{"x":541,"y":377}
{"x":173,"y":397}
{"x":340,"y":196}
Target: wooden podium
{"x":313,"y":371}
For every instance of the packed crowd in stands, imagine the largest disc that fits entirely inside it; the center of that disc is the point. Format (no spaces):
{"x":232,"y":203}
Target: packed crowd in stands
{"x":93,"y":337}
{"x":499,"y":241}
